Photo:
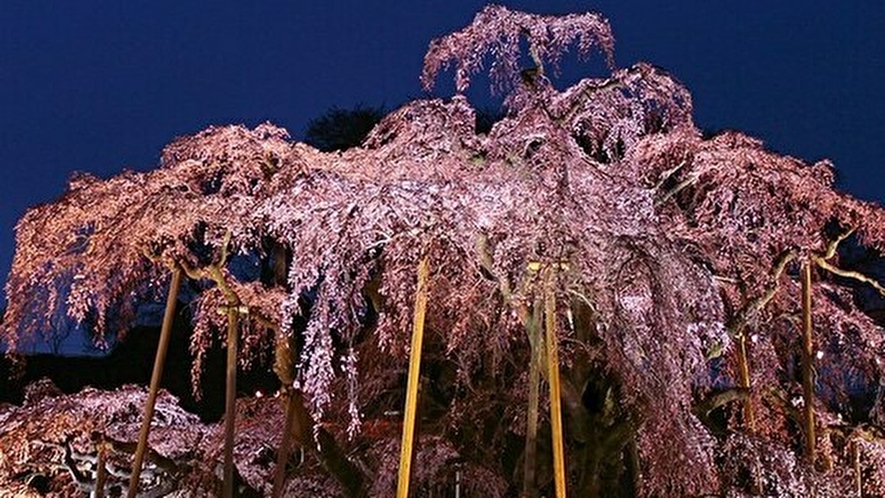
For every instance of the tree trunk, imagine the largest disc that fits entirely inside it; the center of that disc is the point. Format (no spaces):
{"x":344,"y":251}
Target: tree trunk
{"x":299,"y":425}
{"x":280,"y":266}
{"x":634,"y":466}
{"x":285,"y":445}
{"x":807,"y":364}
{"x":156,"y":376}
{"x":405,"y":462}
{"x":328,"y":453}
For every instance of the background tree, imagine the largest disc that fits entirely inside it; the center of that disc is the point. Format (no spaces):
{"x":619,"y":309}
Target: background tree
{"x":340,"y":129}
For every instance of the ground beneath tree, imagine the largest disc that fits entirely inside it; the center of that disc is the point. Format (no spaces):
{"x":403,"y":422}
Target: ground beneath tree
{"x":49,"y":445}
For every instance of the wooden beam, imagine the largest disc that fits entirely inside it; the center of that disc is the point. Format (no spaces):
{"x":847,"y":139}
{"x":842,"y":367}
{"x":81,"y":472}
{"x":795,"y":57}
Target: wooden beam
{"x":405,"y":461}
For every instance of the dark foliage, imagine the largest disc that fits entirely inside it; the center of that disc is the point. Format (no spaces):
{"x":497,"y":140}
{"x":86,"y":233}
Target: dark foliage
{"x":341,"y":129}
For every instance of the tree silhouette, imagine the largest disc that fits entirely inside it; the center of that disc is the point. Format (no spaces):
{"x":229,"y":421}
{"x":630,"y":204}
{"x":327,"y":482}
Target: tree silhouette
{"x":340,"y":129}
{"x":597,"y":221}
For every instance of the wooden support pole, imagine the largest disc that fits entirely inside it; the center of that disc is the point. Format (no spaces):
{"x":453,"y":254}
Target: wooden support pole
{"x":744,"y":374}
{"x":286,"y":443}
{"x":159,"y":362}
{"x":285,"y":366}
{"x":101,"y":472}
{"x":405,"y":460}
{"x":230,"y":401}
{"x":807,"y":363}
{"x":553,"y":381}
{"x":748,"y":412}
{"x":858,"y":477}
{"x":531,"y":432}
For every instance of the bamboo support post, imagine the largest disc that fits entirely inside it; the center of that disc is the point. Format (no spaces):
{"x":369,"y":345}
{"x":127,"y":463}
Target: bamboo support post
{"x":807,"y":363}
{"x":230,"y":401}
{"x":553,"y":381}
{"x":405,"y":461}
{"x":159,"y":362}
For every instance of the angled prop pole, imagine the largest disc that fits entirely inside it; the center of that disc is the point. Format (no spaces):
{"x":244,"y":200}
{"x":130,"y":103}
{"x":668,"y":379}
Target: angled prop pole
{"x":405,"y":459}
{"x":553,"y":382}
{"x":159,"y":362}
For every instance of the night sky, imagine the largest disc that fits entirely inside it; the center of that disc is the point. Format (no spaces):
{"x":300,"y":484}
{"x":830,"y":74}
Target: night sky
{"x":100,"y":86}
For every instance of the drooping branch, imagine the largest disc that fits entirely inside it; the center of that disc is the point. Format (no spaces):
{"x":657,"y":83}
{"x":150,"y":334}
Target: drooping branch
{"x":589,"y":92}
{"x":216,"y":273}
{"x":498,"y":31}
{"x":833,"y":245}
{"x":662,"y":197}
{"x":822,"y":261}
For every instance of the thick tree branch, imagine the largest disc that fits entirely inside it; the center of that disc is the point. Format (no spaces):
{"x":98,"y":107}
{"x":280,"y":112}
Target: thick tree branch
{"x":754,"y":306}
{"x":854,"y":275}
{"x":662,"y":197}
{"x":587,"y":93}
{"x":487,"y":263}
{"x":718,"y":399}
{"x":834,"y":244}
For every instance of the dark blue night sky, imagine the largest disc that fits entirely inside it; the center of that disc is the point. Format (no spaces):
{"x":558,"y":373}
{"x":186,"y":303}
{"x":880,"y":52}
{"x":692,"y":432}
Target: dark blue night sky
{"x":100,"y":86}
